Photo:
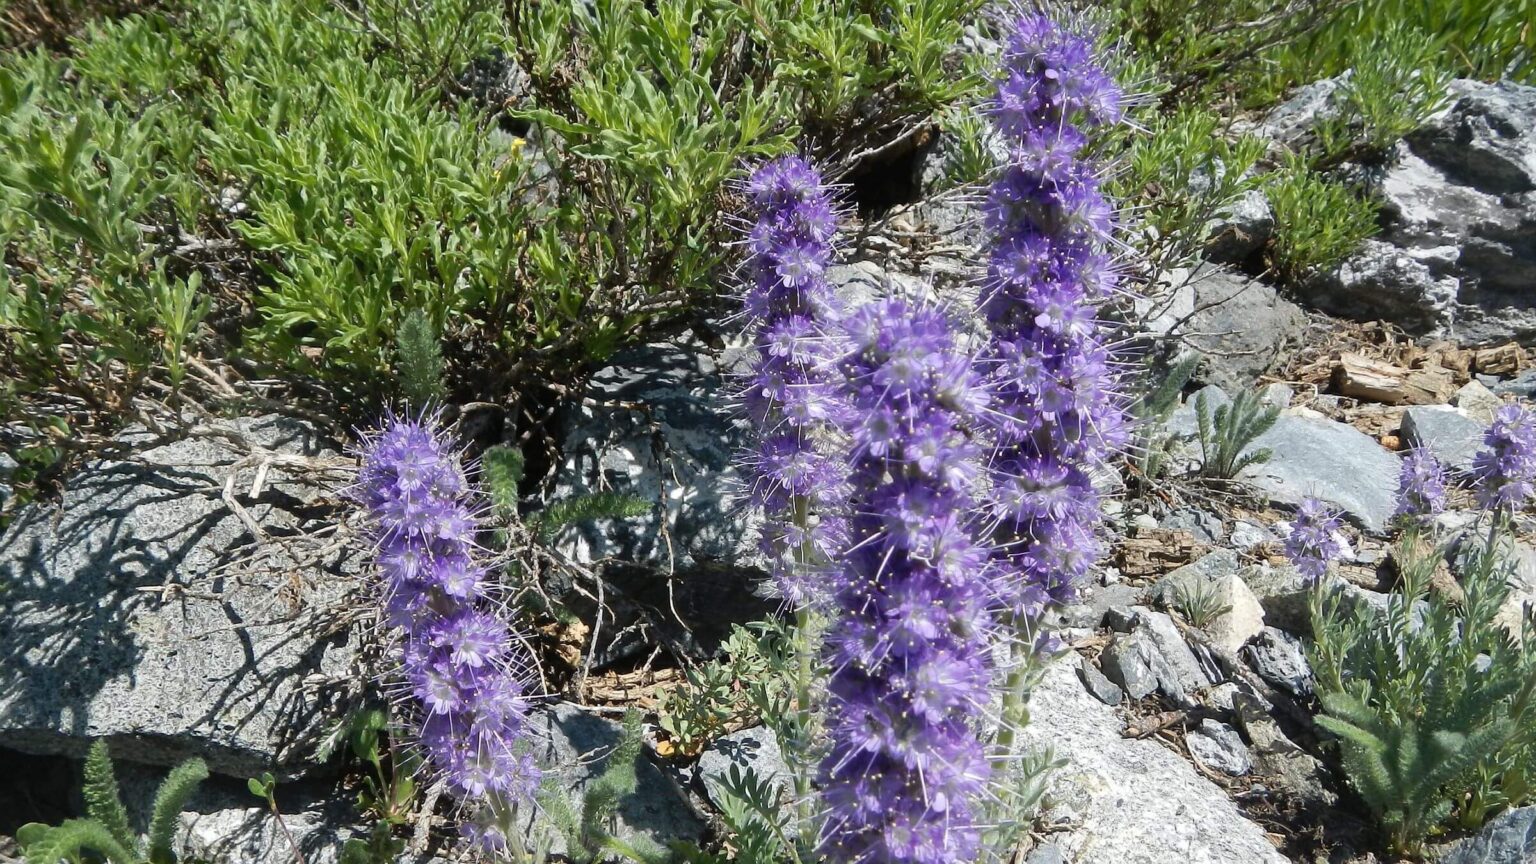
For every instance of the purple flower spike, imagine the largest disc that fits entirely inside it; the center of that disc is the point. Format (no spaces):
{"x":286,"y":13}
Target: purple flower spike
{"x":791,"y":394}
{"x":1504,"y":472}
{"x":1057,"y":413}
{"x":909,"y":645}
{"x":1311,"y":545}
{"x":1420,"y":489}
{"x":457,"y":648}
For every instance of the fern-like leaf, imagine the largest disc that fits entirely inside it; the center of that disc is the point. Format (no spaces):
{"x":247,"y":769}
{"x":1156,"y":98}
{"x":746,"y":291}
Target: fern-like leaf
{"x":584,"y":508}
{"x":103,"y":801}
{"x":503,"y":471}
{"x":74,"y":836}
{"x":174,"y":792}
{"x":419,"y":359}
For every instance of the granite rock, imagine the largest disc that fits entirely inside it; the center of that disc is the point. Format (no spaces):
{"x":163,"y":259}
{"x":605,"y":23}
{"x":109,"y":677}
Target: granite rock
{"x":140,"y":609}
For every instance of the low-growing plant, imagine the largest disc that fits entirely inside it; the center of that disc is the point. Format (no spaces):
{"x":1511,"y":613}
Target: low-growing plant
{"x":106,"y":830}
{"x":1179,"y":175}
{"x":419,"y":361}
{"x":1434,"y":701}
{"x":590,"y":835}
{"x":1392,"y":88}
{"x":1152,"y":444}
{"x":747,"y":684}
{"x":1199,"y":601}
{"x":1226,"y":434}
{"x":1318,"y":221}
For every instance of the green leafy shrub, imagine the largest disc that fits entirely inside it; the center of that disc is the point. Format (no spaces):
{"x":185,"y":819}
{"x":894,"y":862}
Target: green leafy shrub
{"x":1227,"y":433}
{"x":107,"y":831}
{"x":1178,"y":176}
{"x":1465,"y":38}
{"x":1392,"y":88}
{"x":1433,"y":700}
{"x":1318,"y":222}
{"x":306,"y":173}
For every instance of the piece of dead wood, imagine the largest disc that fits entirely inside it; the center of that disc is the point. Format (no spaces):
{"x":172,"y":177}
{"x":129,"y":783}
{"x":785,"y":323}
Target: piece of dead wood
{"x":1360,"y":377}
{"x":1504,"y":360}
{"x":641,"y":688}
{"x":1154,"y":552}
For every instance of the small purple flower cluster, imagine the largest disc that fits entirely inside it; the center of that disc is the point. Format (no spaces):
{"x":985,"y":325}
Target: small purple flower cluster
{"x":458,"y":653}
{"x":1057,"y":416}
{"x":792,"y":393}
{"x":909,"y":648}
{"x":1504,"y":472}
{"x":1312,"y":545}
{"x":1421,"y":486}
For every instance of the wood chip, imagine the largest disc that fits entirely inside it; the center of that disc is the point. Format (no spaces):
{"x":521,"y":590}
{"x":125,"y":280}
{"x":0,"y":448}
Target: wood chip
{"x":1360,"y":377}
{"x":1154,"y":552}
{"x":1503,"y":360}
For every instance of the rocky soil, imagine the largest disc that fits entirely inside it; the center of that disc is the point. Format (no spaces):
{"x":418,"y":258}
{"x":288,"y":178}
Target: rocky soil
{"x":196,"y":594}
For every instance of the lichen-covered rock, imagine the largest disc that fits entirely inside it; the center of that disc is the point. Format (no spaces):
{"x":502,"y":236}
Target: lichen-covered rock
{"x":141,"y":609}
{"x":1127,"y":800}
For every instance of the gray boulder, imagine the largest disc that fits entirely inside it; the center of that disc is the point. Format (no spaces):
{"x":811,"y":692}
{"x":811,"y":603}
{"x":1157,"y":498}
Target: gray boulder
{"x":224,"y":822}
{"x":1460,"y":205}
{"x":1241,"y":228}
{"x":1509,"y":839}
{"x":574,"y":747}
{"x":1522,"y":386}
{"x":1215,"y":579}
{"x":1241,"y":327}
{"x":141,"y":609}
{"x":1281,"y":660}
{"x":1238,"y":325}
{"x":1101,"y":687}
{"x":1445,"y":432}
{"x":1153,"y":657}
{"x":1334,"y":462}
{"x":756,"y":750}
{"x":656,"y":425}
{"x":1293,"y":121}
{"x":1126,"y":800}
{"x":1218,"y":747}
{"x":1382,"y":280}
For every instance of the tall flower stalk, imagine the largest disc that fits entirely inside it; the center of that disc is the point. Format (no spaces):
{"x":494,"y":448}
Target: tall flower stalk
{"x":1057,"y":416}
{"x":909,"y":644}
{"x":457,"y":651}
{"x":793,"y":397}
{"x":792,"y":394}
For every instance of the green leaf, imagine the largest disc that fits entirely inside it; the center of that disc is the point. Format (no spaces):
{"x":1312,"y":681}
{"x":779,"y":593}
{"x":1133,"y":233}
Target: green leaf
{"x":103,"y":801}
{"x":172,"y":797}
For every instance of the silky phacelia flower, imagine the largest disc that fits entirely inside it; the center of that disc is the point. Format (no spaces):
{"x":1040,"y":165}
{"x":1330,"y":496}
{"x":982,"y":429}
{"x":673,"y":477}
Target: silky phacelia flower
{"x":1312,"y":543}
{"x":791,"y":394}
{"x":1421,"y":487}
{"x":1057,"y":415}
{"x":1504,"y":471}
{"x":457,"y":649}
{"x":908,"y":646}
